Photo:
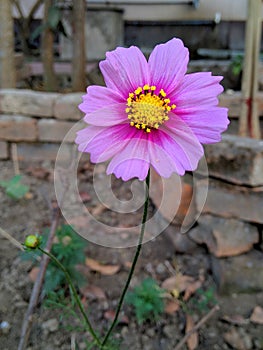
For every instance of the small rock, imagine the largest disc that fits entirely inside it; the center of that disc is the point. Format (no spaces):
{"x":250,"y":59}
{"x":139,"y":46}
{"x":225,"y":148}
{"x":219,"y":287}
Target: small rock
{"x":225,"y":237}
{"x":145,"y":339}
{"x":232,"y":337}
{"x":124,"y":331}
{"x":50,"y":325}
{"x":169,"y":331}
{"x":181,"y":242}
{"x":257,"y":315}
{"x":150,"y":332}
{"x":160,"y":268}
{"x":239,"y":274}
{"x":5,"y":327}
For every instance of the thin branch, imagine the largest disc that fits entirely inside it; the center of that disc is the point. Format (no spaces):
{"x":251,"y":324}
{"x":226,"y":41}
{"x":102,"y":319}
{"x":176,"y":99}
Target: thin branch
{"x":196,"y":327}
{"x":28,"y":320}
{"x":34,"y":9}
{"x":15,"y":158}
{"x":170,"y":267}
{"x":11,"y":239}
{"x":18,"y":7}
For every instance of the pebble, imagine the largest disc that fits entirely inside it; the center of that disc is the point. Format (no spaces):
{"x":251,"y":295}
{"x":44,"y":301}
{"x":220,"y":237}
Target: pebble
{"x":161,"y":268}
{"x":124,"y":331}
{"x":169,"y":331}
{"x":150,"y":332}
{"x":50,"y":325}
{"x":5,"y":327}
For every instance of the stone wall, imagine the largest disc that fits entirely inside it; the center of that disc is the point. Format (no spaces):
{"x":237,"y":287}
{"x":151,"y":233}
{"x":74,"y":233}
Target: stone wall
{"x":36,"y":122}
{"x":231,"y":221}
{"x":232,"y":218}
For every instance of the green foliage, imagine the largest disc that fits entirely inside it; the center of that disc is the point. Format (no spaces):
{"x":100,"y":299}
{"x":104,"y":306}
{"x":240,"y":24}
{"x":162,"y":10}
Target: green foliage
{"x":14,"y":188}
{"x":202,"y":301}
{"x":54,"y":22}
{"x":69,"y":250}
{"x":237,"y":65}
{"x":206,"y":299}
{"x":147,"y":300}
{"x":112,"y":344}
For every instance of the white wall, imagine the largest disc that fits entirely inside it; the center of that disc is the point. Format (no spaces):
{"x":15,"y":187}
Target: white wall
{"x":161,"y":10}
{"x":166,"y":9}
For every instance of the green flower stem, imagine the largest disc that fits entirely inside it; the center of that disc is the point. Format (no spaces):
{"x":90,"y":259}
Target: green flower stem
{"x":136,"y":256}
{"x":75,"y":294}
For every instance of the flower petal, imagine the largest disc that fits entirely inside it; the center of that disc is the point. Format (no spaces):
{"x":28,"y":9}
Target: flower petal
{"x":168,"y":64}
{"x":125,"y":69}
{"x":108,"y":115}
{"x":98,"y":97}
{"x":196,"y":89}
{"x":133,"y":160}
{"x":206,"y":124}
{"x":175,"y":150}
{"x":129,"y":169}
{"x":104,"y":143}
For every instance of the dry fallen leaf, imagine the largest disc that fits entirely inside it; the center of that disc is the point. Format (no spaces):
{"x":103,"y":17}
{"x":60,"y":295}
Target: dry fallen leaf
{"x":103,"y":269}
{"x":28,"y":195}
{"x":171,"y":307}
{"x":233,"y":338}
{"x":93,"y":292}
{"x":99,"y":209}
{"x":191,"y":289}
{"x":235,"y":319}
{"x":85,"y":196}
{"x":257,"y":315}
{"x":192,"y":340}
{"x":38,"y":172}
{"x":110,"y":314}
{"x":80,"y":221}
{"x":33,"y":274}
{"x":178,"y":282}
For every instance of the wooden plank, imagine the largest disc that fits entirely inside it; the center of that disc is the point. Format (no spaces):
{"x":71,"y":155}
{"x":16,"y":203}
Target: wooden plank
{"x":254,"y":117}
{"x":247,"y":71}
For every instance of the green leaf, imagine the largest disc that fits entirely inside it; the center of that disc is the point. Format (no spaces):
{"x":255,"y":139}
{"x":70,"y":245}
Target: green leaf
{"x":54,"y":17}
{"x":16,"y":179}
{"x":38,"y":31}
{"x":14,"y":188}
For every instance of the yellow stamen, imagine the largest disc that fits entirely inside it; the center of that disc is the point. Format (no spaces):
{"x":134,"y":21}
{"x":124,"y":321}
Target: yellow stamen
{"x":162,"y":93}
{"x":138,"y":90}
{"x":147,"y":110}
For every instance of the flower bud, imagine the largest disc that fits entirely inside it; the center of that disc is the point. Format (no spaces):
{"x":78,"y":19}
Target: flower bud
{"x":32,"y":242}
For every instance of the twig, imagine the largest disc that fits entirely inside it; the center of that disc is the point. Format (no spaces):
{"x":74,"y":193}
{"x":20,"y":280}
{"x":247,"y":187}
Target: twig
{"x":28,"y":320}
{"x":15,"y":158}
{"x":11,"y":239}
{"x":196,"y":327}
{"x":170,"y":267}
{"x":73,"y":342}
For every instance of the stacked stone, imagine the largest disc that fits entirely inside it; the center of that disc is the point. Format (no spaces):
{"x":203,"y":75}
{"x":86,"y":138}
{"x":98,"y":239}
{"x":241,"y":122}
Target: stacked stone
{"x":231,"y":220}
{"x":232,"y":217}
{"x":37,"y":122}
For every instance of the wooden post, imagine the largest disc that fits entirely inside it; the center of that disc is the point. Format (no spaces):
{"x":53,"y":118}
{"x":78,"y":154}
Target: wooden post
{"x":7,"y":58}
{"x":254,"y":117}
{"x":249,"y":118}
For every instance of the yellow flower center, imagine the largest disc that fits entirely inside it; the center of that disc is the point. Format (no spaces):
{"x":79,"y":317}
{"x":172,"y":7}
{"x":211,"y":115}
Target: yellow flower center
{"x":146,"y":110}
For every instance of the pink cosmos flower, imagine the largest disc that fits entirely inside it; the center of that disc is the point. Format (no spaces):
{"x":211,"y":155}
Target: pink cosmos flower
{"x":151,"y":113}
